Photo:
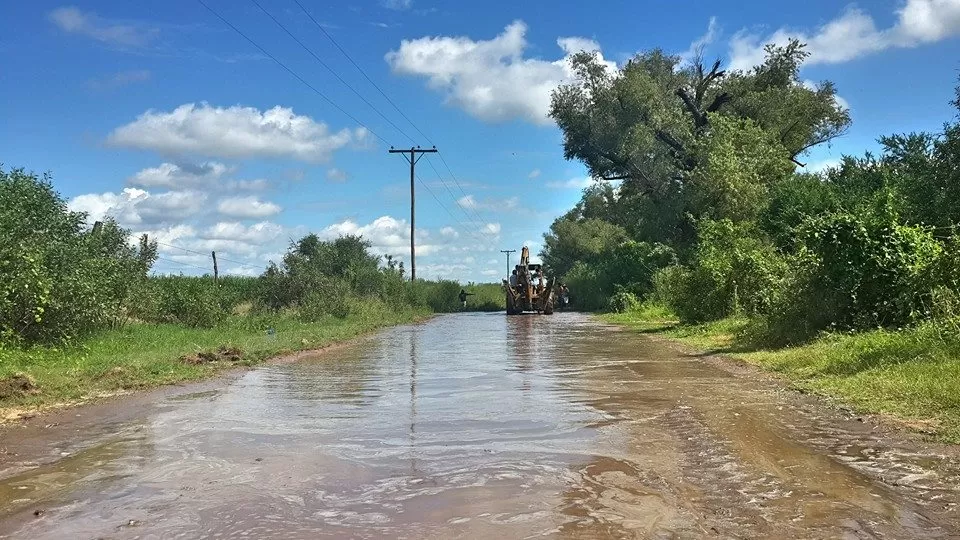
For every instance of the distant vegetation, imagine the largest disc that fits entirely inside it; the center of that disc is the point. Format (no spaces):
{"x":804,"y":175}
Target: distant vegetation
{"x":80,"y":312}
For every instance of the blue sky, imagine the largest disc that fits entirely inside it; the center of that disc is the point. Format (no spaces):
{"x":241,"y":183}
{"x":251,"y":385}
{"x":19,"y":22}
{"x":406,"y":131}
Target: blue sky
{"x":164,"y":117}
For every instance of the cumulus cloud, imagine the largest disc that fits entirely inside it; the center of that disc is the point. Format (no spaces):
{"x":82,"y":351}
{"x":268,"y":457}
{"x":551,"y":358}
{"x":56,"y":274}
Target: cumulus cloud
{"x":854,"y":34}
{"x":134,"y":206}
{"x":233,"y":132}
{"x":449,"y":232}
{"x":173,"y":175}
{"x":175,"y":219}
{"x":534,"y":174}
{"x":490,"y":79}
{"x":72,"y":20}
{"x":249,"y":207}
{"x":388,"y":235}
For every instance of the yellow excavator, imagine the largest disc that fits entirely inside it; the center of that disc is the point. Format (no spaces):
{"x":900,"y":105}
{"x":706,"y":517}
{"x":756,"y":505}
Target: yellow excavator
{"x":528,"y":290}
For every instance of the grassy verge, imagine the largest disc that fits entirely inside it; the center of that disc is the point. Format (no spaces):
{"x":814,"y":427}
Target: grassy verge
{"x":142,"y":356}
{"x":911,"y":375}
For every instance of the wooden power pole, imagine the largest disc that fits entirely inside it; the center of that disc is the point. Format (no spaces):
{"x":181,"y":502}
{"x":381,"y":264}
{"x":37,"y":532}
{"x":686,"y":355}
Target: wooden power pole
{"x":216,"y":271}
{"x":413,"y":158}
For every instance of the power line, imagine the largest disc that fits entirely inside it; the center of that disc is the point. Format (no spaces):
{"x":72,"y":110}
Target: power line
{"x":206,"y":255}
{"x":183,"y":263}
{"x":328,"y":68}
{"x":464,"y":229}
{"x":462,"y":208}
{"x":322,"y":95}
{"x":396,"y":108}
{"x":290,"y":71}
{"x":362,"y":72}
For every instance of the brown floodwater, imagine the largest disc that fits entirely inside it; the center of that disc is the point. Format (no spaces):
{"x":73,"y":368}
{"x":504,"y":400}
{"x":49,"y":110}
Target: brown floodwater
{"x":476,"y":426}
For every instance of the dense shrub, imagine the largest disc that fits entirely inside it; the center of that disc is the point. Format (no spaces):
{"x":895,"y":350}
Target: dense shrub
{"x":623,"y":302}
{"x":872,"y":271}
{"x":733,"y":271}
{"x":191,"y":301}
{"x":60,"y":279}
{"x":586,"y":288}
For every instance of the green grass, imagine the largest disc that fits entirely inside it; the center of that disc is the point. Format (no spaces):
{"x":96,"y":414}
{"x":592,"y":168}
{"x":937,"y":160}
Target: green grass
{"x":911,"y":375}
{"x":143,"y":356}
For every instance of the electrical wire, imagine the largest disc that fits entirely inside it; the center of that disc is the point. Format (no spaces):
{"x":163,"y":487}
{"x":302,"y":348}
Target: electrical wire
{"x":292,"y":72}
{"x":395,"y":107}
{"x":328,"y":68}
{"x":362,"y":72}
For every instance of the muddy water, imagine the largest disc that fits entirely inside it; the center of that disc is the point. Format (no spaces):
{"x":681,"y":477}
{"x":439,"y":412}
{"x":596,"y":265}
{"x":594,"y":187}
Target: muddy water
{"x":476,"y":426}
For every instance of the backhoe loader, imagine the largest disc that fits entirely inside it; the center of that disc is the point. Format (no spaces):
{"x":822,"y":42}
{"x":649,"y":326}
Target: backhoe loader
{"x":527,"y":289}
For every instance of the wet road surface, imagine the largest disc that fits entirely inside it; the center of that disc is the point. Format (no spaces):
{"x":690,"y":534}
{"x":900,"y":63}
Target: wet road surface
{"x":476,"y":426}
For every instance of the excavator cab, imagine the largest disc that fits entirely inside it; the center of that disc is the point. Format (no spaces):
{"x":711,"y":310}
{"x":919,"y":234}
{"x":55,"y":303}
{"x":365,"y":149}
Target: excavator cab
{"x":531,"y":291}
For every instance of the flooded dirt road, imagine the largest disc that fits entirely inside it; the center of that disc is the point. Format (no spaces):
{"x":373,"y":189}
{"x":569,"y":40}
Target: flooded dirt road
{"x":475,"y":426}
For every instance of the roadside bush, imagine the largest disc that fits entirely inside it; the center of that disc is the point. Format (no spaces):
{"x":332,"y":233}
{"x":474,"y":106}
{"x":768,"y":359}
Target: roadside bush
{"x":58,"y":279}
{"x":623,"y":302}
{"x":871,"y":271}
{"x":733,"y":272}
{"x":586,"y":290}
{"x":332,"y":297}
{"x":190,"y":301}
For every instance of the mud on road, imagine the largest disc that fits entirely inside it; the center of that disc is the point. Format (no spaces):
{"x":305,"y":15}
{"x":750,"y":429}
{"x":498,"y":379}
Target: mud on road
{"x":477,"y":426}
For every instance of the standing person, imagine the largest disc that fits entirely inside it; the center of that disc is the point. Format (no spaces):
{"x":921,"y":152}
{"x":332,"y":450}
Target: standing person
{"x":513,"y":279}
{"x":463,"y":297}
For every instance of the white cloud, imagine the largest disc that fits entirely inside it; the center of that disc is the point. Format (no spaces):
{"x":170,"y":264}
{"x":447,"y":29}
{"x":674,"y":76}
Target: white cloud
{"x":449,"y":232}
{"x":822,"y":165}
{"x":854,"y":34}
{"x":74,"y":21}
{"x":247,"y":207}
{"x":172,"y":175}
{"x":398,"y":5}
{"x":257,"y":233}
{"x":534,"y":174}
{"x":337,"y":175}
{"x":388,"y":235}
{"x":713,"y":31}
{"x":134,"y":206}
{"x":490,"y":79}
{"x":234,"y":132}
{"x":491,"y":228}
{"x":120,"y":79}
{"x":469,"y":202}
{"x":573,"y":183}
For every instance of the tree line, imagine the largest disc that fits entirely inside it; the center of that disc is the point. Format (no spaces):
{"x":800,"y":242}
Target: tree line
{"x":62,"y":281}
{"x":716,"y":217}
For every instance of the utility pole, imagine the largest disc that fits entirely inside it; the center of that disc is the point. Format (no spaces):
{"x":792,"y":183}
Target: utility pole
{"x":413,"y":158}
{"x":216,"y":272}
{"x":508,"y":252}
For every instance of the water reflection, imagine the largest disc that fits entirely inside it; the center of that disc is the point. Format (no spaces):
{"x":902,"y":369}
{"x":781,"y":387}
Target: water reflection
{"x":475,"y":425}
